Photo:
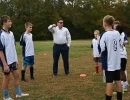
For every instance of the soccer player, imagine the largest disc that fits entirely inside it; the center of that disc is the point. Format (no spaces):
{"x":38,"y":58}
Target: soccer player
{"x":123,"y":52}
{"x":110,"y":52}
{"x":8,"y":57}
{"x":116,"y":23}
{"x":26,"y":41}
{"x":96,"y":55}
{"x":125,"y":38}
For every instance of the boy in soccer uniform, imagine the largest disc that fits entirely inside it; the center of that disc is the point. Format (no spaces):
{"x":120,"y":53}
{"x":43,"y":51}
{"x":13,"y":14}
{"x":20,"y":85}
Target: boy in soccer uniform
{"x":125,"y":42}
{"x":110,"y":52}
{"x":116,"y":23}
{"x":96,"y":55}
{"x":123,"y":53}
{"x":26,"y":42}
{"x":8,"y":58}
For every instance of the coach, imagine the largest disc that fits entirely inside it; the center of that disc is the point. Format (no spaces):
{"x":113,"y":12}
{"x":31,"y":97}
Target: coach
{"x":62,"y":41}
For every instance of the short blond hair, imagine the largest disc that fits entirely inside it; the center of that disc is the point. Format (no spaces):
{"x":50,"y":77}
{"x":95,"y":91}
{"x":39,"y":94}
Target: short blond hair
{"x":97,"y":31}
{"x":109,"y":20}
{"x":28,"y":24}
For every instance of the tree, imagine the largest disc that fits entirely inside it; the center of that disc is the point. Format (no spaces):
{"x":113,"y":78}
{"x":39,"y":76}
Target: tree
{"x":81,"y":17}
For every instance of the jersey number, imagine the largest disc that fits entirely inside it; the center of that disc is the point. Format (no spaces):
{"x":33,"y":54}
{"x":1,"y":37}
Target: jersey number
{"x":114,"y":45}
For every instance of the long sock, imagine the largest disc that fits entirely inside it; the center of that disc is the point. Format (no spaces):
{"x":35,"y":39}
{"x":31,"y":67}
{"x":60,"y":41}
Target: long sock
{"x":119,"y":95}
{"x":18,"y":90}
{"x":31,"y":72}
{"x":97,"y":67}
{"x":108,"y":97}
{"x":22,"y":74}
{"x":6,"y":94}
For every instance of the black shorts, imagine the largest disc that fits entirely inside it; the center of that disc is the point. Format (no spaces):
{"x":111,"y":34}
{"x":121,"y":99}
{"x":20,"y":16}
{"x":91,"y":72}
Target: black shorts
{"x":112,"y":76}
{"x":12,"y":67}
{"x":97,"y":59}
{"x":123,"y":64}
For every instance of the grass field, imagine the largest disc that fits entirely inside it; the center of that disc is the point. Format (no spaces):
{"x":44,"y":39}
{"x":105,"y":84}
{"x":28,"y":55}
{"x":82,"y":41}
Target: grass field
{"x":62,"y":87}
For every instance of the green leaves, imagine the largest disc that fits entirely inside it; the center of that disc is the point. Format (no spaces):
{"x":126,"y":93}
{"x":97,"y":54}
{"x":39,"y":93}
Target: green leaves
{"x":80,"y":16}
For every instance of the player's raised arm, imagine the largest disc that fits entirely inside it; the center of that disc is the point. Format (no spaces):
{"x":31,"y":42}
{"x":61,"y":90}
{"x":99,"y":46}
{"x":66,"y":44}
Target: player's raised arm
{"x":51,"y":28}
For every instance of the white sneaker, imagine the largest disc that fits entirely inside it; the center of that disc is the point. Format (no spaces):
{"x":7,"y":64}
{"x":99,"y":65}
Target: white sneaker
{"x":8,"y":98}
{"x":22,"y":95}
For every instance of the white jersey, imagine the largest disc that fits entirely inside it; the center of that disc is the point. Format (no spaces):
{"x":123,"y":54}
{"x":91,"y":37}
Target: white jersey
{"x":123,"y":51}
{"x":94,"y":46}
{"x":27,"y":42}
{"x":60,"y":36}
{"x":7,"y":45}
{"x":110,"y":49}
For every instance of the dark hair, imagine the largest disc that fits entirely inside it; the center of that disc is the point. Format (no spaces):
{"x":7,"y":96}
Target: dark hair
{"x":59,"y":20}
{"x":4,"y":19}
{"x":120,"y":28}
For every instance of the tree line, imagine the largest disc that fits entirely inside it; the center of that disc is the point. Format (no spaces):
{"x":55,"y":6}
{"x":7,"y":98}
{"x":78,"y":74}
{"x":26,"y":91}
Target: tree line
{"x":81,"y":17}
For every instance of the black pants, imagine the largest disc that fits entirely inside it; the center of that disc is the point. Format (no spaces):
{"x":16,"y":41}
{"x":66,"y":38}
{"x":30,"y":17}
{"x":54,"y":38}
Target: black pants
{"x":64,"y":50}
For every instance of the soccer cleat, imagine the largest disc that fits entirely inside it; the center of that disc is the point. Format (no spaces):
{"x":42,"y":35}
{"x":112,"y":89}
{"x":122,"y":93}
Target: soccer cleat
{"x":125,"y":90}
{"x":22,"y":95}
{"x":124,"y":87}
{"x":23,"y":80}
{"x":95,"y":73}
{"x":54,"y":75}
{"x":8,"y":98}
{"x":32,"y":78}
{"x":66,"y":73}
{"x":115,"y":93}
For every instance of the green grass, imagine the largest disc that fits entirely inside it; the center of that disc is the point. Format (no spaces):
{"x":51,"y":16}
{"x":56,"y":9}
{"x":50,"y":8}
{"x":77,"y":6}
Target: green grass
{"x":39,"y":46}
{"x":71,"y":87}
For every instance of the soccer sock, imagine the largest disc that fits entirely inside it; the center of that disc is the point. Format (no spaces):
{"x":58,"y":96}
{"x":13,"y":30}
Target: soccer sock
{"x":108,"y":97}
{"x":22,"y":74}
{"x":122,"y":83}
{"x":31,"y":72}
{"x":18,"y":90}
{"x":97,"y":67}
{"x":6,"y":94}
{"x":119,"y":95}
{"x":125,"y":84}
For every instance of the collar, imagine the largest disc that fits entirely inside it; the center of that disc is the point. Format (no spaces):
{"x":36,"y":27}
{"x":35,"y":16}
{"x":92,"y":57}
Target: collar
{"x":5,"y":31}
{"x":27,"y":33}
{"x":59,"y":28}
{"x":110,"y":30}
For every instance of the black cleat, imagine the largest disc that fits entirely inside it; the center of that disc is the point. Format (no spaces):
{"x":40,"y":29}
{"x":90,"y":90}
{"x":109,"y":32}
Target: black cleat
{"x":54,"y":75}
{"x":23,"y":80}
{"x":32,"y":78}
